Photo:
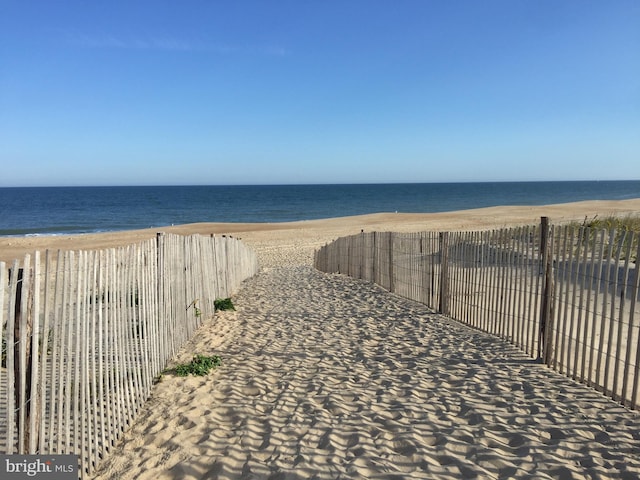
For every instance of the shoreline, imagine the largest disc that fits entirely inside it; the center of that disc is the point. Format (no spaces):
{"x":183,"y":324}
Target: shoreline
{"x":315,"y":233}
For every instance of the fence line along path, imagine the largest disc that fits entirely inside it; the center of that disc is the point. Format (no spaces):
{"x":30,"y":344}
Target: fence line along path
{"x":567,"y":296}
{"x":86,"y":333}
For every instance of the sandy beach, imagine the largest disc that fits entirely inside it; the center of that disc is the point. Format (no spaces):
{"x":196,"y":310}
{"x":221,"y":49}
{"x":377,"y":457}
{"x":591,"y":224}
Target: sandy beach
{"x":328,"y":377}
{"x":279,"y":240}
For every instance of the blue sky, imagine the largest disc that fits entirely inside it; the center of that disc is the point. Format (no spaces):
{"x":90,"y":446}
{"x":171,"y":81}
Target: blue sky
{"x":276,"y":92}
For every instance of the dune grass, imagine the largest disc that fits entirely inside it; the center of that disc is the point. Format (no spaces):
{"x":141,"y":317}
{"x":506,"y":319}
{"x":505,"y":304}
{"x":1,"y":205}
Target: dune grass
{"x":623,"y":225}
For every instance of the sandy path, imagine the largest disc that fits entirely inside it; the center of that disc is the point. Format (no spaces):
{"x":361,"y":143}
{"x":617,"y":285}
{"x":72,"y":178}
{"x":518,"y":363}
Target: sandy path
{"x":327,"y":377}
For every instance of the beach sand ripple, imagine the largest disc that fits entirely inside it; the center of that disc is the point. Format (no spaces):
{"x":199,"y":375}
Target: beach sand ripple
{"x":327,"y":377}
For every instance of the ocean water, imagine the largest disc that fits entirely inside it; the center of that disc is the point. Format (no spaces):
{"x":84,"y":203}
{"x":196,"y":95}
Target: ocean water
{"x":65,"y":210}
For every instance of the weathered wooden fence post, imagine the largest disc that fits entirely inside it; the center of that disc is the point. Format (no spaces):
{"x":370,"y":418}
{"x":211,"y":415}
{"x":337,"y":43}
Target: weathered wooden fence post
{"x":426,"y":299}
{"x":374,"y":268}
{"x":161,"y":306}
{"x":26,"y":346}
{"x":19,"y":367}
{"x":391,"y":283}
{"x":443,"y":304}
{"x":16,"y":343}
{"x":363,"y":255}
{"x":546,"y":309}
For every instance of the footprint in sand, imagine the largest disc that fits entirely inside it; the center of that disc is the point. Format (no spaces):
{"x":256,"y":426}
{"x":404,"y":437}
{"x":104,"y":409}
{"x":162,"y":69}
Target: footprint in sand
{"x":250,"y":390}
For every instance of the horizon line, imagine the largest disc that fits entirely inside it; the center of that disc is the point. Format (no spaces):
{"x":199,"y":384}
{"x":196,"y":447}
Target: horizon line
{"x":449,"y":182}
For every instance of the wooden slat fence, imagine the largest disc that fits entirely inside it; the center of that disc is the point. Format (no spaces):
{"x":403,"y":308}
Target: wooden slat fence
{"x":86,"y":333}
{"x":565,"y":295}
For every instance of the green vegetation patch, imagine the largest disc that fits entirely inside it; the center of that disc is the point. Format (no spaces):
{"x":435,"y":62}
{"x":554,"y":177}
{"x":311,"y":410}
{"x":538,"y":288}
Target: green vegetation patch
{"x":199,"y":366}
{"x":622,"y":225}
{"x":628,"y":223}
{"x":223,"y":304}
